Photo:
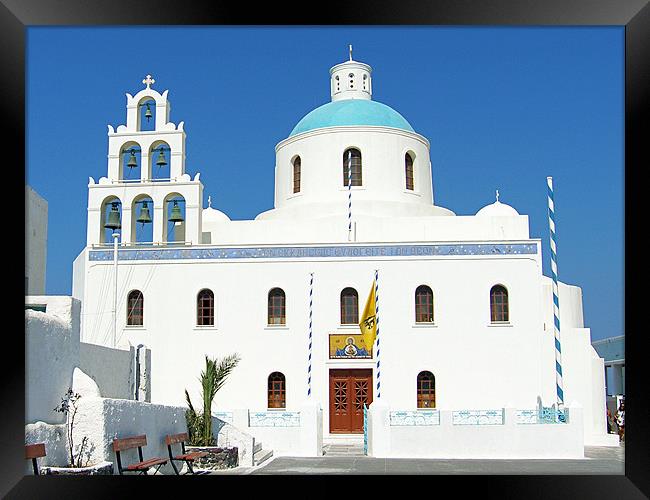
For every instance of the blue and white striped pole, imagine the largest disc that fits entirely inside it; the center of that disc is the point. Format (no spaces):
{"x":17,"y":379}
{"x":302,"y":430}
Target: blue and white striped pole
{"x":311,"y":293}
{"x":377,"y":331}
{"x":556,"y":298}
{"x":349,"y":194}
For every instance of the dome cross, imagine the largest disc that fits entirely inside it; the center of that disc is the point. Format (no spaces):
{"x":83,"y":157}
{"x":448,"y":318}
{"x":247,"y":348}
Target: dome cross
{"x":497,"y":195}
{"x":148,"y":81}
{"x":350,"y":46}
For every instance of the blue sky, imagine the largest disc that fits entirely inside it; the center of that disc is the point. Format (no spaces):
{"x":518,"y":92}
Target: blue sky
{"x":502,"y":107}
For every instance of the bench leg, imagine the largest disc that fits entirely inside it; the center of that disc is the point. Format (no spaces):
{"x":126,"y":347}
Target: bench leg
{"x":175,"y":468}
{"x":189,"y":466}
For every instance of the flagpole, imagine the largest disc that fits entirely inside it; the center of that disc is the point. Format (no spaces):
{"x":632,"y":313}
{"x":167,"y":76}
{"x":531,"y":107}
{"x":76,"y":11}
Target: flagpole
{"x":377,"y":330}
{"x":311,"y":292}
{"x":556,"y":298}
{"x":349,"y":194}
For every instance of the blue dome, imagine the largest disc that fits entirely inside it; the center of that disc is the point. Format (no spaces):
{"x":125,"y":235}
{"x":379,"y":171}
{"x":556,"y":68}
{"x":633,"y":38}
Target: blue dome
{"x":351,"y":112}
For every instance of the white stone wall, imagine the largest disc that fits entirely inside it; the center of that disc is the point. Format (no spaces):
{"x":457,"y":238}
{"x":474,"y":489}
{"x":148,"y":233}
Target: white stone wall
{"x":582,"y":368}
{"x":113,"y":370}
{"x":302,"y":440}
{"x":103,"y":420}
{"x":56,"y":444}
{"x":35,"y":241}
{"x":51,"y":354}
{"x":500,"y":441}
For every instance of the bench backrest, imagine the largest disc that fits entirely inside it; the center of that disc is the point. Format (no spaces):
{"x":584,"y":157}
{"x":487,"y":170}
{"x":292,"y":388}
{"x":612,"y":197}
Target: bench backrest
{"x":129,"y":442}
{"x":176,"y":438}
{"x":35,"y":450}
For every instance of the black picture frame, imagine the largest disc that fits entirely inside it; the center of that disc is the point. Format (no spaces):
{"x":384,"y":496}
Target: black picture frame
{"x":16,"y":15}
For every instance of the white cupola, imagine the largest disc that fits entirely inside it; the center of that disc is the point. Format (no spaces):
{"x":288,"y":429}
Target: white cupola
{"x":497,"y":209}
{"x":351,"y":80}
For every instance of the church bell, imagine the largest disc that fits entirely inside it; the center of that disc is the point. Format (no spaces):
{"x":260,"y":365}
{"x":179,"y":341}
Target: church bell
{"x":132,"y":161}
{"x":176,"y":215}
{"x":113,"y":219}
{"x":161,"y":162}
{"x":148,"y":113}
{"x":145,"y":216}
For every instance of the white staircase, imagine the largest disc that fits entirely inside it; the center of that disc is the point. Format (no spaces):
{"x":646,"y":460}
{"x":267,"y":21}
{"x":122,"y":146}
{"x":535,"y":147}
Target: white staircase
{"x":260,"y":455}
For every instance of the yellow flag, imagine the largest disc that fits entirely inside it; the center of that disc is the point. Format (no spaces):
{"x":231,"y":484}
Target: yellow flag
{"x":368,"y":323}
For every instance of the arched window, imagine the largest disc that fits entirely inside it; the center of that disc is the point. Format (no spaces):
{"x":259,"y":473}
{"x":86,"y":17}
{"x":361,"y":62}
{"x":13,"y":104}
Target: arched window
{"x":426,"y":390}
{"x":408,"y":166}
{"x":296,"y":175}
{"x":205,"y":308}
{"x":349,"y":306}
{"x":423,"y":304}
{"x":135,"y":308}
{"x":499,"y":304}
{"x":277,"y":304}
{"x":277,"y":391}
{"x":352,"y":161}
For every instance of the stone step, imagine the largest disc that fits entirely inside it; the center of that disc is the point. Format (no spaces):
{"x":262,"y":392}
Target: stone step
{"x":257,"y":447}
{"x":261,"y":456}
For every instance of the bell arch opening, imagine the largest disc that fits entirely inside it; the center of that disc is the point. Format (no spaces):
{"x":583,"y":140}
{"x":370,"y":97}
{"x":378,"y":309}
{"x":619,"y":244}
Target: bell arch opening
{"x":130,"y":161}
{"x":174,"y":224}
{"x":142,"y":219}
{"x":146,"y":114}
{"x":159,"y":160}
{"x":111,"y":219}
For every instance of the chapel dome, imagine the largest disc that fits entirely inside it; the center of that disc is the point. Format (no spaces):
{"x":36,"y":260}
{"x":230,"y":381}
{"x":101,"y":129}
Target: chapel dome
{"x":212,"y":215}
{"x":497,"y":209}
{"x":351,"y":112}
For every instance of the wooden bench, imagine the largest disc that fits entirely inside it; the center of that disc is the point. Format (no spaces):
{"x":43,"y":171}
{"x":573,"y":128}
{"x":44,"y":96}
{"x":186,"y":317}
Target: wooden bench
{"x":188,"y":458}
{"x":35,"y":451}
{"x":143,"y":465}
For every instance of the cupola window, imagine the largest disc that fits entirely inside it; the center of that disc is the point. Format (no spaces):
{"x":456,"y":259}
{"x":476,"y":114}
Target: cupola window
{"x":408,"y":167}
{"x":296,"y":175}
{"x":352,"y":167}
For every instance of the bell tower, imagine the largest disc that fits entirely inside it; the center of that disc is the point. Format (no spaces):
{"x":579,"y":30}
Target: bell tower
{"x":146,"y":182}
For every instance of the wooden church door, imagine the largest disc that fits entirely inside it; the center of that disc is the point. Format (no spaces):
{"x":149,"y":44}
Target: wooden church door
{"x":349,"y":390}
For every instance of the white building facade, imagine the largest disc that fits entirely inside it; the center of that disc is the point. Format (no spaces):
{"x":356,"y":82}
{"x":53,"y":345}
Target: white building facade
{"x":465,"y":314}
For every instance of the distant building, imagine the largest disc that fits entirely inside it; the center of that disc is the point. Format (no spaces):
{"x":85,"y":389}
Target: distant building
{"x":612,"y":350}
{"x":35,"y":242}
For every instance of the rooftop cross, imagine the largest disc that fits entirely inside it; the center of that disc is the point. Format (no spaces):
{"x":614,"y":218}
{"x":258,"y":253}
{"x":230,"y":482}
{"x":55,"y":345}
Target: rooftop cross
{"x":497,"y":195}
{"x":148,"y":81}
{"x":350,"y":51}
{"x":209,"y":202}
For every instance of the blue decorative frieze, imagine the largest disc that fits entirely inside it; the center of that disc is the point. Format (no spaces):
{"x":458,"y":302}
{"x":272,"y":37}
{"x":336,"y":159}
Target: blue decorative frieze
{"x":313,"y":252}
{"x":416,"y":417}
{"x":526,"y":416}
{"x":225,"y":416}
{"x":477,"y":417}
{"x":274,"y":419}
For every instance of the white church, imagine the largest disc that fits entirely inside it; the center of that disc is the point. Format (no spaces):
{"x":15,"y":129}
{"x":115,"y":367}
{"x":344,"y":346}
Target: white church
{"x":465,"y":313}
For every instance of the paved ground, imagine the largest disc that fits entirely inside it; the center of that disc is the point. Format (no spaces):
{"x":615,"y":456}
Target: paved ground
{"x":349,"y":459}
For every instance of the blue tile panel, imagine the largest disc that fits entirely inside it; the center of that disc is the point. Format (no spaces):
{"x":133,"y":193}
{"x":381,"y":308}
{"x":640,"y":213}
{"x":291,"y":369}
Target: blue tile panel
{"x":314,"y":252}
{"x":274,"y":419}
{"x":415,"y":417}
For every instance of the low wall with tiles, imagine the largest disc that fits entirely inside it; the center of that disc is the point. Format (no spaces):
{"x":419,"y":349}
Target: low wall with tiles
{"x":289,"y":433}
{"x":497,"y":433}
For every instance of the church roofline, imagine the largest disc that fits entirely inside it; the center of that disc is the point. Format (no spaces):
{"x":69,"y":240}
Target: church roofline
{"x":351,"y":128}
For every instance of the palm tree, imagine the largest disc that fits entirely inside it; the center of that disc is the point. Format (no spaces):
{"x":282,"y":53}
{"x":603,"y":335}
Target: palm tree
{"x":212,"y":379}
